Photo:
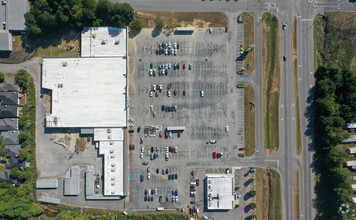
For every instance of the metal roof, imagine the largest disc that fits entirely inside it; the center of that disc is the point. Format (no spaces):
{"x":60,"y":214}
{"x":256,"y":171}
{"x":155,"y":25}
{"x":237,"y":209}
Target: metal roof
{"x":71,"y":184}
{"x":47,"y":184}
{"x":50,"y":200}
{"x":191,"y":29}
{"x":89,"y":183}
{"x":5,"y":40}
{"x":15,"y":14}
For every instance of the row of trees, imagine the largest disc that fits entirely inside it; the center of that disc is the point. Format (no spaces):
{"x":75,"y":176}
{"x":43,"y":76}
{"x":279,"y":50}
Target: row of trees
{"x":46,"y":16}
{"x":335,"y":96}
{"x":17,"y":201}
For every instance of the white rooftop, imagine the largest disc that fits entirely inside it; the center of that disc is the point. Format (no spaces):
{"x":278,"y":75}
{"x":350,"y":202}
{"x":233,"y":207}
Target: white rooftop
{"x":112,"y":147}
{"x":219,"y":190}
{"x":351,"y":125}
{"x":351,"y":163}
{"x":86,"y":92}
{"x":104,"y":41}
{"x":352,"y":150}
{"x":353,"y":186}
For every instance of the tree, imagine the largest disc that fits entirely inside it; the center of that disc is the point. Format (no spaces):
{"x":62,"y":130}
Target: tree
{"x":252,"y":193}
{"x":23,"y":78}
{"x":103,"y":10}
{"x":3,"y":150}
{"x":252,"y":205}
{"x":251,"y":180}
{"x":24,"y":135}
{"x":137,"y":24}
{"x":159,"y":24}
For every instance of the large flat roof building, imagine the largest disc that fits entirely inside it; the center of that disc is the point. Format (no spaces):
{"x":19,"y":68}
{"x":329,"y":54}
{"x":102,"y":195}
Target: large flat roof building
{"x":15,"y":11}
{"x":5,"y":41}
{"x":86,"y":92}
{"x":104,"y":42}
{"x":219,"y":192}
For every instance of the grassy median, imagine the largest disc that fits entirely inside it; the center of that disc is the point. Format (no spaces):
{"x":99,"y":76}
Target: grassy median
{"x":296,"y":196}
{"x":271,"y":82}
{"x":250,"y":125}
{"x":249,"y":40}
{"x":268,"y":194}
{"x":299,"y":143}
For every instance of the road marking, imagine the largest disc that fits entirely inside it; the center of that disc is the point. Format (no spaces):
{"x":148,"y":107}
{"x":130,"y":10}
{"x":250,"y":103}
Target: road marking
{"x":306,"y":19}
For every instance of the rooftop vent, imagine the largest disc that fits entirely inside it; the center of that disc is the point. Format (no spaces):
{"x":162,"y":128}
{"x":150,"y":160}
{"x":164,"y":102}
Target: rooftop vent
{"x":117,"y":42}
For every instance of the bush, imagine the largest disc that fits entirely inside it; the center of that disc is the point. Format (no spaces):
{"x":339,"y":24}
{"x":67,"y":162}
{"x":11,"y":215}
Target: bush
{"x":252,"y":205}
{"x":159,"y":24}
{"x":2,"y":77}
{"x":252,"y":193}
{"x":23,"y":78}
{"x":136,"y":24}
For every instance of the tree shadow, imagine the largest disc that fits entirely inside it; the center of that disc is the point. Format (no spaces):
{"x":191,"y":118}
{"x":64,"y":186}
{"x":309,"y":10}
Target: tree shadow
{"x":156,"y":32}
{"x":133,"y":33}
{"x":247,"y":208}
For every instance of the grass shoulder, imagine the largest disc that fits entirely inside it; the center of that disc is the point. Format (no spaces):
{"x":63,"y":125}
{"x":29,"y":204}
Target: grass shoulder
{"x":250,"y":125}
{"x":249,"y":40}
{"x":271,"y":81}
{"x":268,"y":194}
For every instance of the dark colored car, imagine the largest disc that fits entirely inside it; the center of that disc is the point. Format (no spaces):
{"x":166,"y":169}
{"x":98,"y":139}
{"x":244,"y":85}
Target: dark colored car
{"x":193,"y":173}
{"x":145,"y":163}
{"x":284,"y":58}
{"x":184,"y":93}
{"x":197,"y":182}
{"x":192,"y":202}
{"x":141,"y":177}
{"x":145,"y":198}
{"x":157,"y":171}
{"x":184,"y":66}
{"x":151,"y":65}
{"x":162,"y":108}
{"x":152,"y":149}
{"x":175,"y":176}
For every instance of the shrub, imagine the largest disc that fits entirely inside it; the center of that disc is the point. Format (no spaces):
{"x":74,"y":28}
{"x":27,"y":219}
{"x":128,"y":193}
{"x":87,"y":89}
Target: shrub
{"x":136,"y":24}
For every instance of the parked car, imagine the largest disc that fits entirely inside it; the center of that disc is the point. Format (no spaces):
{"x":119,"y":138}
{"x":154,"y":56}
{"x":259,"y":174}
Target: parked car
{"x":241,"y":148}
{"x":202,"y":93}
{"x":184,"y":66}
{"x":197,"y":182}
{"x":284,"y":58}
{"x":141,"y":177}
{"x":145,"y":163}
{"x":175,"y":176}
{"x":178,"y":133}
{"x":193,"y":173}
{"x":190,"y":66}
{"x":157,"y":171}
{"x":214,"y":155}
{"x":284,"y":26}
{"x":192,"y":202}
{"x":226,"y":128}
{"x":184,"y":92}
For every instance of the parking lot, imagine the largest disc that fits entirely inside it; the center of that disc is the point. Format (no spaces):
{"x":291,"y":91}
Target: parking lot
{"x":200,"y":95}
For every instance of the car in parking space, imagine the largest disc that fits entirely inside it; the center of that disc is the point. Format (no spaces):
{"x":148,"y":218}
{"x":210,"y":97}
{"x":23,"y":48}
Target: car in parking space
{"x":190,"y":66}
{"x":176,"y":149}
{"x":141,"y":177}
{"x":166,"y":170}
{"x":149,"y":198}
{"x":157,"y":171}
{"x":169,"y":177}
{"x":146,"y":191}
{"x":192,"y":186}
{"x":175,"y":108}
{"x":163,"y":107}
{"x":170,"y":134}
{"x":192,"y":202}
{"x":184,"y":92}
{"x":226,"y":128}
{"x":172,"y":149}
{"x":152,"y":156}
{"x":148,"y":170}
{"x":160,"y":88}
{"x":202,"y":93}
{"x":212,"y":141}
{"x":163,"y":171}
{"x":192,"y":194}
{"x":192,"y":189}
{"x":148,"y":176}
{"x":145,"y":199}
{"x":220,"y":155}
{"x":169,"y":93}
{"x":178,"y":133}
{"x":166,"y":157}
{"x":145,"y":163}
{"x":193,"y":183}
{"x":183,"y":66}
{"x":284,"y":26}
{"x":177,"y":65}
{"x":241,"y":148}
{"x":160,"y":199}
{"x":141,"y":156}
{"x":193,"y":173}
{"x":151,"y":72}
{"x":160,"y":134}
{"x":176,"y":176}
{"x":214,"y":155}
{"x":175,"y":92}
{"x":152,"y":149}
{"x":178,"y":45}
{"x":197,"y":182}
{"x":157,"y":51}
{"x":151,"y":65}
{"x":151,"y":93}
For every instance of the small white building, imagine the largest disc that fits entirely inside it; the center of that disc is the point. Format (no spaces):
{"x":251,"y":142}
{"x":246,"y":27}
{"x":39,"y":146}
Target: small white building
{"x":352,"y":150}
{"x":351,"y":164}
{"x":219,"y":192}
{"x":353,"y":187}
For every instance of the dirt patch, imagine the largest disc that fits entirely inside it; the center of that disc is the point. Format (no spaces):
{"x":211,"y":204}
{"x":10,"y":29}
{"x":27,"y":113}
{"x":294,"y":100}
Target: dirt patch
{"x":183,"y":19}
{"x":2,"y":168}
{"x":250,"y":126}
{"x":268,"y":194}
{"x":80,"y":145}
{"x":249,"y":40}
{"x":271,"y":79}
{"x":296,"y":197}
{"x":294,"y":56}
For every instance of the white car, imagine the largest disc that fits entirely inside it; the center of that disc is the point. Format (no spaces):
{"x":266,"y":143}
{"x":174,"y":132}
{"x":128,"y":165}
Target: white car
{"x":141,"y":156}
{"x":151,"y":93}
{"x":175,"y":45}
{"x":169,"y":93}
{"x":148,"y":176}
{"x":169,"y":66}
{"x":142,"y":149}
{"x":170,"y":134}
{"x":202,"y":93}
{"x":167,"y":149}
{"x":151,"y":72}
{"x":227,"y":128}
{"x":154,"y":87}
{"x":160,"y":87}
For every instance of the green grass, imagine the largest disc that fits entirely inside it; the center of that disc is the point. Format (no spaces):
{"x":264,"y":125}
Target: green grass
{"x":275,"y":192}
{"x":317,"y":40}
{"x":250,"y":125}
{"x":271,"y":88}
{"x":296,"y":196}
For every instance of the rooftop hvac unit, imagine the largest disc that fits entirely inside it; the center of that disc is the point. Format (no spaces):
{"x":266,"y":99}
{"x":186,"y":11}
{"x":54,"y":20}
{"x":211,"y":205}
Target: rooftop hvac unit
{"x":109,"y":137}
{"x":111,"y":143}
{"x":117,"y":42}
{"x":112,"y":178}
{"x":103,"y":42}
{"x":210,"y":181}
{"x":112,"y":156}
{"x":112,"y":184}
{"x":109,"y":130}
{"x":111,"y":151}
{"x":112,"y":192}
{"x":112,"y":165}
{"x":113,"y":170}
{"x":93,"y":35}
{"x":64,"y":64}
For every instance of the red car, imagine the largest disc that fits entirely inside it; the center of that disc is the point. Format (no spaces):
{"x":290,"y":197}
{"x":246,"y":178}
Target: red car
{"x":241,"y":148}
{"x":197,"y":182}
{"x":178,"y":133}
{"x":214,"y":155}
{"x":184,"y":66}
{"x":184,"y":92}
{"x":172,"y":149}
{"x":193,"y":174}
{"x":145,"y":191}
{"x":160,"y":134}
{"x":192,"y":190}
